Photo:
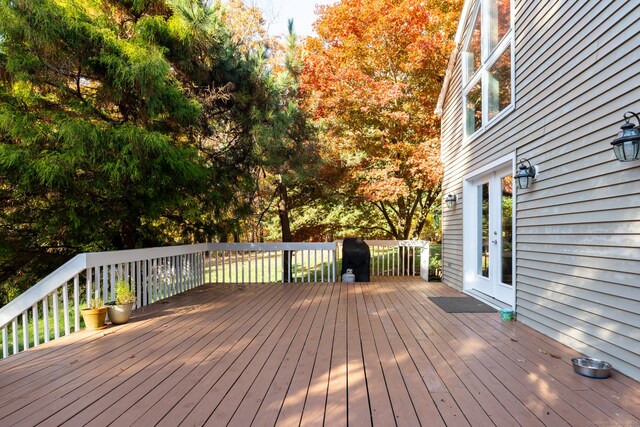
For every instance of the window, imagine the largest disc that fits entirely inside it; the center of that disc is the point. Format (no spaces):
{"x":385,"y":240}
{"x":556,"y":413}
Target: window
{"x":487,"y":64}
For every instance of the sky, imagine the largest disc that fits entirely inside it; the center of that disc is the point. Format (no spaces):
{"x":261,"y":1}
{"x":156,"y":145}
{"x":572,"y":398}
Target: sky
{"x":278,"y":12}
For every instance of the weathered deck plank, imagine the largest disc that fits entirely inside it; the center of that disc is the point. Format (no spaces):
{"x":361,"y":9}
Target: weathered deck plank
{"x":288,"y":354}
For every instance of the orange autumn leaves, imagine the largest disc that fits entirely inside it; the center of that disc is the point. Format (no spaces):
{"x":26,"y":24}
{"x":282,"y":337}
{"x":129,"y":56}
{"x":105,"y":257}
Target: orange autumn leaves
{"x":372,"y":77}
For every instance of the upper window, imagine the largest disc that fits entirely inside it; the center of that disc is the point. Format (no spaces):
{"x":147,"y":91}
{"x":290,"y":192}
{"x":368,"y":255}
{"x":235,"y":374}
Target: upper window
{"x":487,"y":64}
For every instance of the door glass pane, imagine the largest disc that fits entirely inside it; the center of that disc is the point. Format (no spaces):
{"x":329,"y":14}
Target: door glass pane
{"x":483,"y":238}
{"x":500,"y":84}
{"x":507,"y":229}
{"x":473,"y":111}
{"x":500,"y":11}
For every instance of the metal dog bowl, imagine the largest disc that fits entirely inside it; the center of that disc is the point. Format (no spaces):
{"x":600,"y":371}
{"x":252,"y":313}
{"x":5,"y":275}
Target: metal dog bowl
{"x":592,"y":368}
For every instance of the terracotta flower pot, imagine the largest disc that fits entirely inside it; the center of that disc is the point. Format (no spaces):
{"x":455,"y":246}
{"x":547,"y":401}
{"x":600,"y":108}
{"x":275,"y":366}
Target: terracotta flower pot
{"x":94,"y":319}
{"x":119,"y":313}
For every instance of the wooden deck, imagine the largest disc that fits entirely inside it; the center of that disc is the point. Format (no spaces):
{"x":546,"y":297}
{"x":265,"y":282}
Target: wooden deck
{"x":378,"y":353}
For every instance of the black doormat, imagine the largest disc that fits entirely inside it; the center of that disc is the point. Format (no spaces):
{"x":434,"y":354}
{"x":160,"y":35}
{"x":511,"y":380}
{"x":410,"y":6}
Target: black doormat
{"x":462,"y":305}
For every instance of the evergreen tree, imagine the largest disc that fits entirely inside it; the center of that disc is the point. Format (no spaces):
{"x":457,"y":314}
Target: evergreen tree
{"x":123,"y":124}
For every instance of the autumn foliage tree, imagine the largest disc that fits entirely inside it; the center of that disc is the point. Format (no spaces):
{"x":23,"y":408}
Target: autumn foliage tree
{"x":372,"y":78}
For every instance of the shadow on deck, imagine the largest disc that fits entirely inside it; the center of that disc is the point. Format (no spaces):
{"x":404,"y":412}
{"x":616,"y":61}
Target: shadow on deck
{"x":380,"y":353}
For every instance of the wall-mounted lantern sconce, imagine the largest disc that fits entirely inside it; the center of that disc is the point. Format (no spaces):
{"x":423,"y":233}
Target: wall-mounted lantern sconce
{"x":451,"y":200}
{"x":626,"y":146}
{"x":526,"y":174}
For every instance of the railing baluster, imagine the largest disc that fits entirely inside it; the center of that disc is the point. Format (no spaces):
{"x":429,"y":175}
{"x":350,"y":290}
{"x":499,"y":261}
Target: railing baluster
{"x":237,"y":275}
{"x":161,"y":273}
{"x":217,"y":267}
{"x":36,"y":326}
{"x":25,"y":330}
{"x":183,"y":272}
{"x":376,"y":261}
{"x":5,"y":342}
{"x":201,"y":257}
{"x":248,"y":266}
{"x":138,"y":283}
{"x":393,"y":261}
{"x":14,"y":332}
{"x":146,"y":282}
{"x":76,"y":302}
{"x":105,"y":282}
{"x":45,"y":318}
{"x":242,"y":267}
{"x":56,"y":315}
{"x":112,"y":282}
{"x":182,"y":263}
{"x":261,"y":267}
{"x":188,"y":270}
{"x":153,"y":272}
{"x":89,"y":286}
{"x":175,"y":276}
{"x":334,"y":265}
{"x":166,"y":278}
{"x":171,"y":283}
{"x":413,"y":260}
{"x":65,"y":308}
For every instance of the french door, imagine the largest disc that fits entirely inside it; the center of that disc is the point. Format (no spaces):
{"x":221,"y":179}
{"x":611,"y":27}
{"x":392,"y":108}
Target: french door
{"x":488,"y":234}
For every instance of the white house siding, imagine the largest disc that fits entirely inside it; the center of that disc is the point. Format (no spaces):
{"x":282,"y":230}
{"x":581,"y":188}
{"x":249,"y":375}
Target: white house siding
{"x":578,"y":227}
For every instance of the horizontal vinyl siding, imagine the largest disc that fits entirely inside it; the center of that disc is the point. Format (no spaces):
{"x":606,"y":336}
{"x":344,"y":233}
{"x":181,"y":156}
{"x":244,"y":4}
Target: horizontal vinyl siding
{"x":578,"y":227}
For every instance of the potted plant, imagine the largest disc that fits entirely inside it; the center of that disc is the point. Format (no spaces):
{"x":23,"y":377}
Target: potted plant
{"x":120,"y":309}
{"x":95,"y":314}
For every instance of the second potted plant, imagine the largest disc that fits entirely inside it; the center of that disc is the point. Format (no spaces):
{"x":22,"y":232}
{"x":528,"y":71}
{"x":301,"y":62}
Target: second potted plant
{"x":120,"y":309}
{"x":94,"y":315}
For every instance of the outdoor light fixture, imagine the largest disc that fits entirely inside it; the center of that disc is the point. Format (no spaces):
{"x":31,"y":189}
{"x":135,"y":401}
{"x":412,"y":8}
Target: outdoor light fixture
{"x":451,"y":200}
{"x":526,"y":174}
{"x":626,"y":146}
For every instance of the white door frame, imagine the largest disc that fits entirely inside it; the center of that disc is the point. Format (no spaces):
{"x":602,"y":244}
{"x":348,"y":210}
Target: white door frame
{"x":471,"y":280}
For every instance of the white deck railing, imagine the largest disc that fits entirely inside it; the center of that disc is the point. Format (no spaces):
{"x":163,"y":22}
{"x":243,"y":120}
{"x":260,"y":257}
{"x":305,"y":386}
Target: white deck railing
{"x":394,"y":257}
{"x":51,"y":308}
{"x":265,"y":262}
{"x":46,"y":311}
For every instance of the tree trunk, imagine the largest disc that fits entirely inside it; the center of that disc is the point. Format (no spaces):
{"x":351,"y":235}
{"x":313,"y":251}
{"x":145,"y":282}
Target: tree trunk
{"x":127,"y":234}
{"x":285,"y":226}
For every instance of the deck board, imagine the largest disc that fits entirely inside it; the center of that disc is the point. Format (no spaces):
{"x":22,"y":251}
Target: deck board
{"x":309,"y":354}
